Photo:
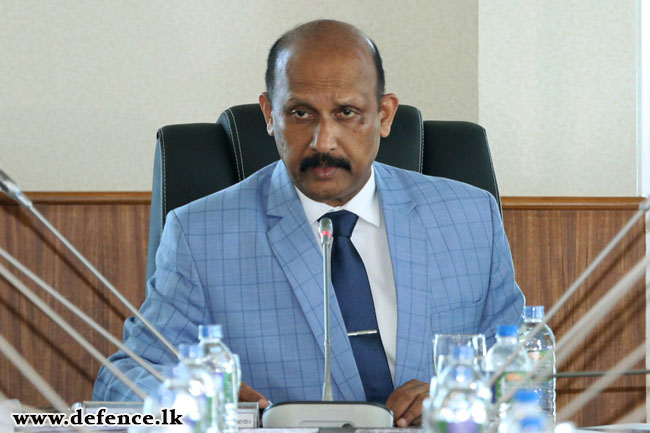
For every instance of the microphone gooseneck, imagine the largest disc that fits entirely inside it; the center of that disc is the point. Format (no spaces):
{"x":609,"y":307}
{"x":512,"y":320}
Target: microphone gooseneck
{"x":83,"y":316}
{"x":25,"y":291}
{"x":607,"y":379}
{"x":325,"y":231}
{"x":32,"y":376}
{"x":327,"y":412}
{"x":581,"y":329}
{"x":644,"y":207}
{"x":10,"y":188}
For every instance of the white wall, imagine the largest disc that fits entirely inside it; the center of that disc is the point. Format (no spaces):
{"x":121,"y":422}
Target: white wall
{"x":557,"y":95}
{"x":85,"y":84}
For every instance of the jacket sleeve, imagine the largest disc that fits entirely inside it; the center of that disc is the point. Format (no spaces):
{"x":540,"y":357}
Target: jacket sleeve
{"x":175,"y":305}
{"x":505,"y":301}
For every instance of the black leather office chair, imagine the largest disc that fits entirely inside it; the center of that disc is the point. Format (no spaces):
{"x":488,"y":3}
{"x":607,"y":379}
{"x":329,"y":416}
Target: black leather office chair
{"x":194,"y":160}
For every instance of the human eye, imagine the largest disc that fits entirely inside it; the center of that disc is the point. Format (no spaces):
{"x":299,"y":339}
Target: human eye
{"x":300,"y":114}
{"x":347,"y":113}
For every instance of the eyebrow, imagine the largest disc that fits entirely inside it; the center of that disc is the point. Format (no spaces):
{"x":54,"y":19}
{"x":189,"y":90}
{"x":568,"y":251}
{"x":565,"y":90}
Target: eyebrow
{"x":297,"y":101}
{"x":343,"y":103}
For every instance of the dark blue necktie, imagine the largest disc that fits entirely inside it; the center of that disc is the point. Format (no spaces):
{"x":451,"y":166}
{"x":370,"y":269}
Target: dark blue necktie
{"x":352,"y":288}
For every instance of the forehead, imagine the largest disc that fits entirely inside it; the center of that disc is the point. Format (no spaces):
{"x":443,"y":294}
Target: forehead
{"x":305,"y":68}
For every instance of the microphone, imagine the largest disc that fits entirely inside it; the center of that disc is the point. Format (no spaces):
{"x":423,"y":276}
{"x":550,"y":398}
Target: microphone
{"x":9,"y":187}
{"x":325,"y":231}
{"x":83,"y":316}
{"x":327,"y":413}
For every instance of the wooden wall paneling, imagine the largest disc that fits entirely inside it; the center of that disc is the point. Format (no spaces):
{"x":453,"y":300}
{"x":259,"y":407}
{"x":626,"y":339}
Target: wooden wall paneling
{"x":551,"y":248}
{"x":552,"y":241}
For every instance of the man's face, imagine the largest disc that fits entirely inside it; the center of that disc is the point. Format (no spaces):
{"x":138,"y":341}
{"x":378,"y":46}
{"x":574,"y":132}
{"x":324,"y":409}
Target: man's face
{"x":326,"y":120}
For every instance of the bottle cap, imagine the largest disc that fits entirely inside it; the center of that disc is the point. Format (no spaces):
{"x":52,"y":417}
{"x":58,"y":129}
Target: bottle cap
{"x":532,"y":423}
{"x":534,"y":312}
{"x":190,"y":351}
{"x":210,"y":331}
{"x":507,"y":330}
{"x":464,"y":353}
{"x":525,"y":395}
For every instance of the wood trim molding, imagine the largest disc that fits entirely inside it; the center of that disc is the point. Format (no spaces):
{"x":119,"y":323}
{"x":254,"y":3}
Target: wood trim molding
{"x":84,"y":197}
{"x":568,"y":203}
{"x":509,"y":203}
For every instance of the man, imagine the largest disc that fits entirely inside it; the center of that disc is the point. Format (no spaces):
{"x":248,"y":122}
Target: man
{"x":422,"y":255}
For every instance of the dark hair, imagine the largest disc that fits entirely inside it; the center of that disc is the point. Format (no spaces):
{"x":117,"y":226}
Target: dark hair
{"x":291,"y":35}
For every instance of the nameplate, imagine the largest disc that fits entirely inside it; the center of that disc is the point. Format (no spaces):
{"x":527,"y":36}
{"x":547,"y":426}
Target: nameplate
{"x":248,"y":415}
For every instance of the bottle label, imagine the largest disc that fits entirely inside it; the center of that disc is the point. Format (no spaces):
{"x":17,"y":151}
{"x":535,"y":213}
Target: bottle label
{"x":210,"y":417}
{"x":228,"y":388}
{"x":507,"y":382}
{"x":537,"y":355}
{"x":468,"y":426}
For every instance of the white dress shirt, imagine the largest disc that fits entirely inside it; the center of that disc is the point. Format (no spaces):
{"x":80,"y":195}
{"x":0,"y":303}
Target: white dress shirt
{"x":370,"y":239}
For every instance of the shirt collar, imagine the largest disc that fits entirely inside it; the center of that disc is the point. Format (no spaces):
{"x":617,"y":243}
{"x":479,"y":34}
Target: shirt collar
{"x":365,"y":204}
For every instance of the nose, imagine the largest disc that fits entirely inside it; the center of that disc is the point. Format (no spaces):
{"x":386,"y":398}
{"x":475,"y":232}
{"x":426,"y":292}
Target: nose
{"x":324,"y":139}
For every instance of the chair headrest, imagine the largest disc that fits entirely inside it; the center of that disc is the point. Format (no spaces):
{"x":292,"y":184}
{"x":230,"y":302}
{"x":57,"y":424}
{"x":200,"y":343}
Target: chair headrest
{"x":253,"y":148}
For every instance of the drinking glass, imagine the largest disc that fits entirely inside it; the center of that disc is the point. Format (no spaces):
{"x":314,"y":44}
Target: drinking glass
{"x":443,"y":348}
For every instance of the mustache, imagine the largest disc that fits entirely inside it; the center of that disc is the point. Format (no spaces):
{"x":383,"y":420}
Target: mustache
{"x":324,"y":159}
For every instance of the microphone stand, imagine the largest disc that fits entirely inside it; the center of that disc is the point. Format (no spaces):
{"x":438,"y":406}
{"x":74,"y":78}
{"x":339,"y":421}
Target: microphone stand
{"x":326,"y":231}
{"x":327,"y":413}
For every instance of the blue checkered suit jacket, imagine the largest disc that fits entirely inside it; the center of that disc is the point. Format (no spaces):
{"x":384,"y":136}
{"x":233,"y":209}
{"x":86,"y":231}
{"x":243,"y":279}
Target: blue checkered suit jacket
{"x":246,"y":257}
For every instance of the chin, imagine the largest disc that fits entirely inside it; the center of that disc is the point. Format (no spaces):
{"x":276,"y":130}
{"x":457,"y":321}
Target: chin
{"x":321,"y":191}
{"x":321,"y":196}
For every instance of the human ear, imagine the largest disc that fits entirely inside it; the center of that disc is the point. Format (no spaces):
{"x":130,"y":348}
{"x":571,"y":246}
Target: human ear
{"x":387,"y":109}
{"x":265,"y":105}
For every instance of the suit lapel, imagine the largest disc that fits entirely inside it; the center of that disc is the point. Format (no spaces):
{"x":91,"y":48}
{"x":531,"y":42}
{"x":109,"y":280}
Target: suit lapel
{"x":299,"y":255}
{"x":408,"y":251}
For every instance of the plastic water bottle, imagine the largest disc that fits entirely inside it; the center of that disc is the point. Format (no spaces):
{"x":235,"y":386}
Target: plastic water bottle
{"x":202,"y":385}
{"x":460,"y":400}
{"x":525,"y":415}
{"x":221,"y":362}
{"x":174,"y":394}
{"x":427,"y":407}
{"x":507,"y":343}
{"x":540,"y":345}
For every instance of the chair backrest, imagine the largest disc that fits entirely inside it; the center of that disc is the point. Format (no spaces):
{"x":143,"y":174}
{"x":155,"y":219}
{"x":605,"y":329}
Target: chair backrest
{"x":194,"y":160}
